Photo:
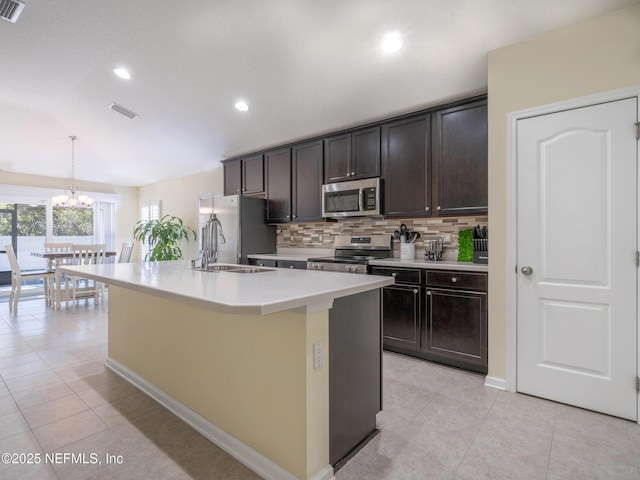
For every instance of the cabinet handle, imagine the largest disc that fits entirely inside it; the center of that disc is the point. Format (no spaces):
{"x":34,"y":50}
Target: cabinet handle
{"x":394,"y":274}
{"x":238,"y":190}
{"x":291,"y":266}
{"x":287,"y":216}
{"x":427,"y":208}
{"x":353,"y":173}
{"x":348,"y":174}
{"x":295,"y":216}
{"x":454,"y":280}
{"x":438,"y":208}
{"x":415,"y":290}
{"x":261,"y":264}
{"x":429,"y":292}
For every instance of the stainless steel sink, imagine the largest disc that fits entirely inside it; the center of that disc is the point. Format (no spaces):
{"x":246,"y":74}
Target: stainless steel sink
{"x":233,"y":268}
{"x":249,"y":270}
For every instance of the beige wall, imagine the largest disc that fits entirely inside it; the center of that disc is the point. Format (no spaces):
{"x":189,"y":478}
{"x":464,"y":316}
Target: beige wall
{"x":180,"y":198}
{"x":251,"y":375}
{"x":591,"y":57}
{"x":126,"y":207}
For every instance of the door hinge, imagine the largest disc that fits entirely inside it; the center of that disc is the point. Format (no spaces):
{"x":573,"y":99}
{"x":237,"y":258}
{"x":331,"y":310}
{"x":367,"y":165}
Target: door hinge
{"x":637,"y":130}
{"x":637,"y":258}
{"x":638,"y":384}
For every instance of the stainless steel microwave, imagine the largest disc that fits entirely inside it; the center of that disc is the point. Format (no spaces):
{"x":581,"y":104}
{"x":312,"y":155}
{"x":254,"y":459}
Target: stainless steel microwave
{"x":357,"y":198}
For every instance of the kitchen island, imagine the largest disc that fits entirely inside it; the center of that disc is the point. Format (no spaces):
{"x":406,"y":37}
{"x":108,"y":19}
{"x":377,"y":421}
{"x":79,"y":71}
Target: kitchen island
{"x":249,"y":358}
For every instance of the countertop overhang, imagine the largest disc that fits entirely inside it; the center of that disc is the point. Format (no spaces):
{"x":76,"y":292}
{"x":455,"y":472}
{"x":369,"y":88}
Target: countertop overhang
{"x":234,"y":293}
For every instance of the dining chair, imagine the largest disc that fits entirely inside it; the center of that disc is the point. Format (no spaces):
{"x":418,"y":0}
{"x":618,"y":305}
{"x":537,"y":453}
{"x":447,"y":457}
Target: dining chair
{"x":125,"y":253}
{"x":18,"y":276}
{"x":57,"y":293}
{"x":82,"y":288}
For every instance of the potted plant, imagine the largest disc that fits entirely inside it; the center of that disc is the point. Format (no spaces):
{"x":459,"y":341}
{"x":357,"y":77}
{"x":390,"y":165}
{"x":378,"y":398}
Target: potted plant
{"x":163,"y":237}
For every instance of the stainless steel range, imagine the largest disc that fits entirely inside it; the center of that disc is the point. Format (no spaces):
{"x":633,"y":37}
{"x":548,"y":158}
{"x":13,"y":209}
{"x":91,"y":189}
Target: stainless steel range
{"x":352,"y":253}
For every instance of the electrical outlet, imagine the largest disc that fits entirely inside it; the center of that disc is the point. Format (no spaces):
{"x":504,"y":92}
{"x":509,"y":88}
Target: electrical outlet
{"x":317,"y":355}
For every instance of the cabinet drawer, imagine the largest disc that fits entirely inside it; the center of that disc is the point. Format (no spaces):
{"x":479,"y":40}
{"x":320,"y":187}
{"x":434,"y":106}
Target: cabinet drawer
{"x":292,"y":264}
{"x":445,"y":278}
{"x":262,"y":263}
{"x":402,"y":275}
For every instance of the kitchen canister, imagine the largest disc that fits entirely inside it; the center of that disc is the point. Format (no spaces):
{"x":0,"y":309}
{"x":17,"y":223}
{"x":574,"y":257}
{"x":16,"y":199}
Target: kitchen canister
{"x":407,"y":251}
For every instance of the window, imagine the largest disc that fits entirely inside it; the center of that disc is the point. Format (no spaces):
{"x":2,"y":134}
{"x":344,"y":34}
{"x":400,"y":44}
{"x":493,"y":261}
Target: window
{"x":148,"y":211}
{"x":69,"y":222}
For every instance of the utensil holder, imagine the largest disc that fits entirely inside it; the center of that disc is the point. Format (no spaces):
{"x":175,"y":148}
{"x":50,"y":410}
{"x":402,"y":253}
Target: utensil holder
{"x":407,"y":251}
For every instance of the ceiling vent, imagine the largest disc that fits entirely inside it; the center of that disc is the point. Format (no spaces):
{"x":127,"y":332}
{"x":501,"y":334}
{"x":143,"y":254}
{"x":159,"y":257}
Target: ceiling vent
{"x":120,"y":109}
{"x":10,"y":10}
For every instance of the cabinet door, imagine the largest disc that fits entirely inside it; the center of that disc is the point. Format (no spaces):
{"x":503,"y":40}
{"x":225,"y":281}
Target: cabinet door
{"x":401,"y":319}
{"x":407,"y":167}
{"x":278,"y":185}
{"x":337,"y":158}
{"x":456,"y":328}
{"x":460,"y":160}
{"x":253,"y":174}
{"x":233,"y":177}
{"x":365,"y":153}
{"x":306,"y":187}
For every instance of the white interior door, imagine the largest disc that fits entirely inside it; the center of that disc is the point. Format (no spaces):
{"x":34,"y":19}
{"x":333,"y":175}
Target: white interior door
{"x":576,"y":257}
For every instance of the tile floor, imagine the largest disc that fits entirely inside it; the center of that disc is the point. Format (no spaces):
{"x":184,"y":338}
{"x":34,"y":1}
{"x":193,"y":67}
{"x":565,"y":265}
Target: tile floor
{"x":57,"y":397}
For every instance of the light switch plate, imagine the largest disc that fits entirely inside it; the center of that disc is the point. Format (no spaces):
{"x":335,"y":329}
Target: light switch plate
{"x":317,"y":355}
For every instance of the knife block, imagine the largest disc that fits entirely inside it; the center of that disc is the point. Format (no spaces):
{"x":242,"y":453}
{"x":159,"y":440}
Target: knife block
{"x":481,"y":250}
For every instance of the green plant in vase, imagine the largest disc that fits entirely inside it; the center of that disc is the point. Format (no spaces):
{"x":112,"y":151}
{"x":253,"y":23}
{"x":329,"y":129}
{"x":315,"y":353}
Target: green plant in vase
{"x":163,"y":237}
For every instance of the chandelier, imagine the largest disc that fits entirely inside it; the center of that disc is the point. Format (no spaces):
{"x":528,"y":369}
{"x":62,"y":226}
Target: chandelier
{"x":72,"y":198}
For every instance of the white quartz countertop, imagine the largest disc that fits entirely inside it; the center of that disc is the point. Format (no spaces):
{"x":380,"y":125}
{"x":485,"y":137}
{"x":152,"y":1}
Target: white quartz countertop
{"x":275,"y":290}
{"x":387,"y":262}
{"x":443,"y":265}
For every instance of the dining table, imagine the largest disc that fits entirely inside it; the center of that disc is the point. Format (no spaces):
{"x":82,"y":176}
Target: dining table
{"x":51,"y":258}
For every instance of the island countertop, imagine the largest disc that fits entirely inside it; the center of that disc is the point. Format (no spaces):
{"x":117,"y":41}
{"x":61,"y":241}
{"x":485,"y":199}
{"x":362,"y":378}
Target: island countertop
{"x":260,"y":293}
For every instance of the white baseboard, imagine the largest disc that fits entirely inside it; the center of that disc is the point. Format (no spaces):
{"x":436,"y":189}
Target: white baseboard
{"x":246,"y":455}
{"x":493,"y":382}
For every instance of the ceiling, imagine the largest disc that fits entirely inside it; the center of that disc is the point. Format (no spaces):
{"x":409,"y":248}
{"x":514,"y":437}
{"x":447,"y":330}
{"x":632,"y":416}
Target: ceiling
{"x":305,"y":67}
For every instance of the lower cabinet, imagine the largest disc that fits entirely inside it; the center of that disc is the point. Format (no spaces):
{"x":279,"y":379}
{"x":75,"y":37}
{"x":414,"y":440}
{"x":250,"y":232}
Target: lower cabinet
{"x":437,"y":315}
{"x":293,"y":264}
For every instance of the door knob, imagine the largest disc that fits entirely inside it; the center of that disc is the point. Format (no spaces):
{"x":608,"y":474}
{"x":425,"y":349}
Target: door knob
{"x":526,"y":270}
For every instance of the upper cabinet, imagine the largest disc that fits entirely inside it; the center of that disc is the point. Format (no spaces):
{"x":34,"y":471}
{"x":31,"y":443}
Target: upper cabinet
{"x":306,"y":181}
{"x":460,"y":161}
{"x":352,"y":155}
{"x":432,"y":163}
{"x":406,"y":163}
{"x":278,"y":163}
{"x":294,"y":180}
{"x":244,"y":175}
{"x":436,"y":164}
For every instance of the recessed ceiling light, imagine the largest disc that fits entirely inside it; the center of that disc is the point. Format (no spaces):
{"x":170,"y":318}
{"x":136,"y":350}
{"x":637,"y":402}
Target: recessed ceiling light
{"x":122,"y":73}
{"x":392,"y":42}
{"x":242,"y":106}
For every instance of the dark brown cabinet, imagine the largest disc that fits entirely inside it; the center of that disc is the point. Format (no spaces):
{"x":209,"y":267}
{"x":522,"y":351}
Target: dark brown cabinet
{"x":456,"y":319}
{"x":354,"y":155}
{"x":460,"y":163}
{"x":233,"y":177}
{"x":294,"y":179}
{"x":244,"y":176}
{"x":291,"y":264}
{"x":306,"y":176}
{"x":401,"y":307}
{"x":278,"y":185}
{"x":406,"y":162}
{"x":437,"y":315}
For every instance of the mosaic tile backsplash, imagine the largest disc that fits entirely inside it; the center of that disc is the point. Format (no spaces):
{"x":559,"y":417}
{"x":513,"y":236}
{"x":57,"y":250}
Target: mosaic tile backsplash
{"x":321,"y":235}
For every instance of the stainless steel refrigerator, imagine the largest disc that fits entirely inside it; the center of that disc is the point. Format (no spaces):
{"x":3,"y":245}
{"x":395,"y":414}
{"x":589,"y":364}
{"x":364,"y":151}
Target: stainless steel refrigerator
{"x":232,"y":227}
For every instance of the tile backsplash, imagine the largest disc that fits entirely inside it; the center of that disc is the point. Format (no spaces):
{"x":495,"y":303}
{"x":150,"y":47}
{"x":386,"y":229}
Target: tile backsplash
{"x":322,"y":234}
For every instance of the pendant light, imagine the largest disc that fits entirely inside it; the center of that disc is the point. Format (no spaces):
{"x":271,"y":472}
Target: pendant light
{"x":72,"y":198}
